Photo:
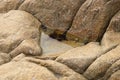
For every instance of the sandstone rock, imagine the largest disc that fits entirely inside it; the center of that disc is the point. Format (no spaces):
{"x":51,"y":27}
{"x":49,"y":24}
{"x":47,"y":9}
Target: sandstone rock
{"x":19,"y":33}
{"x":112,"y":35}
{"x":19,"y":57}
{"x":115,"y":67}
{"x":115,"y":76}
{"x":60,"y":70}
{"x":36,"y":69}
{"x":92,"y":20}
{"x":49,"y":56}
{"x":81,"y":57}
{"x":4,"y":58}
{"x":7,"y":5}
{"x":24,"y":70}
{"x":56,"y":16}
{"x":98,"y":68}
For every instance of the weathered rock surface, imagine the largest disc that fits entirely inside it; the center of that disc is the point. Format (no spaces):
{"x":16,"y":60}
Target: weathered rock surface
{"x":112,"y":35}
{"x":81,"y":57}
{"x":4,"y":57}
{"x":24,"y":70}
{"x":115,"y":76}
{"x":98,"y":68}
{"x":115,"y":67}
{"x":56,"y":16}
{"x":7,"y":5}
{"x":19,"y":33}
{"x":92,"y":19}
{"x":90,"y":23}
{"x":36,"y":69}
{"x":95,"y":60}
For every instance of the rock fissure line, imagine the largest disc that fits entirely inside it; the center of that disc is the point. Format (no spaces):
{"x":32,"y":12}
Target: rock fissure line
{"x":103,"y":31}
{"x":100,"y":56}
{"x":114,"y":68}
{"x":64,"y":34}
{"x":21,"y":2}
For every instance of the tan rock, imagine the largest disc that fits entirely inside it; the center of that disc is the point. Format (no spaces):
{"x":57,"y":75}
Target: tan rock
{"x":81,"y":57}
{"x":24,"y":70}
{"x":19,"y":33}
{"x":98,"y":68}
{"x":55,"y":15}
{"x":115,"y":76}
{"x":112,"y":35}
{"x":115,"y":67}
{"x":4,"y":57}
{"x":92,"y":20}
{"x":36,"y":69}
{"x":61,"y":71}
{"x":7,"y":5}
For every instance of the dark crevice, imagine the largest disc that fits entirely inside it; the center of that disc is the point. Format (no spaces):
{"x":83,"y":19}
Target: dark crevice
{"x":103,"y":31}
{"x":65,"y":33}
{"x":114,"y":69}
{"x":113,"y":76}
{"x":57,"y":75}
{"x":59,"y":37}
{"x":20,"y":3}
{"x":53,"y":35}
{"x":62,"y":36}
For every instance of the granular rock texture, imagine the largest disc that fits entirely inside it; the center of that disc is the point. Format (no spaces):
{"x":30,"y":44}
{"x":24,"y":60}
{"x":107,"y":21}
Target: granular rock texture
{"x":78,"y":20}
{"x":92,"y":19}
{"x":7,"y":5}
{"x":55,"y":15}
{"x":112,"y":34}
{"x":36,"y":69}
{"x":19,"y":33}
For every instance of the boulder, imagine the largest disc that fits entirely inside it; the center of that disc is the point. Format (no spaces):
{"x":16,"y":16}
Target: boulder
{"x":19,"y":33}
{"x":24,"y":70}
{"x":81,"y":57}
{"x":55,"y":15}
{"x":29,"y":68}
{"x":92,"y":19}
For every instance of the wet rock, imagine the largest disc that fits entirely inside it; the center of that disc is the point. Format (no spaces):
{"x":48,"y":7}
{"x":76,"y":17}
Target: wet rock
{"x":92,"y":19}
{"x":19,"y":33}
{"x":52,"y":46}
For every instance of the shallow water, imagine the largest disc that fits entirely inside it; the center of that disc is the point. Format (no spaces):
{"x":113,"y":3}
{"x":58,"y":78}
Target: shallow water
{"x":50,"y":45}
